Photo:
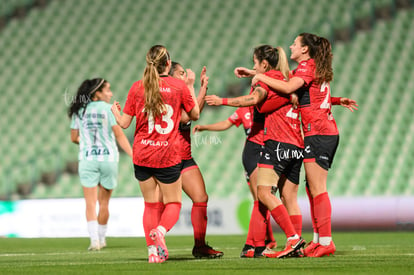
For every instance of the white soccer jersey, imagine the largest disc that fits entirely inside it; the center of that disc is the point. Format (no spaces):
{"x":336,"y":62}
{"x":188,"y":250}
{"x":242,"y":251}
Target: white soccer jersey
{"x":97,"y":140}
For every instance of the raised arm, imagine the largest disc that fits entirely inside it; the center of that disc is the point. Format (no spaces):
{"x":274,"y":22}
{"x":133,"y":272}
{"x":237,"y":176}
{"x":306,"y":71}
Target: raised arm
{"x":258,"y":95}
{"x":244,"y":72}
{"x":284,"y":87}
{"x":219,"y":126}
{"x":123,"y":120}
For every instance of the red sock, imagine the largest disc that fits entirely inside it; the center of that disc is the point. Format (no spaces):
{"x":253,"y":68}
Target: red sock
{"x":170,"y":215}
{"x":199,"y":222}
{"x":297,"y":223}
{"x":259,"y":223}
{"x":249,"y":239}
{"x":312,"y":210}
{"x":269,"y":229}
{"x":282,"y":218}
{"x":323,"y":213}
{"x":151,"y":218}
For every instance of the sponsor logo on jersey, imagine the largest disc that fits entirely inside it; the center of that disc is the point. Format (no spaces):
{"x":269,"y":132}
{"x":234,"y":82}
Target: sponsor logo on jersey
{"x":97,"y":152}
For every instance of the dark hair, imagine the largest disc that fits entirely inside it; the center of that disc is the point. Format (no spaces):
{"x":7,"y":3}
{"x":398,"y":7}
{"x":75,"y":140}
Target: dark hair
{"x":174,"y":66}
{"x":321,"y":51}
{"x":157,"y":58}
{"x":85,"y":93}
{"x":276,"y":57}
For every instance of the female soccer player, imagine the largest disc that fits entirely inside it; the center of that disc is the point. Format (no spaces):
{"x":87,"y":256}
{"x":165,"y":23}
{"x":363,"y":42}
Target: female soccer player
{"x":311,"y":82}
{"x":157,"y":102}
{"x":94,"y":128}
{"x":243,"y":116}
{"x":192,"y":180}
{"x":271,"y":61}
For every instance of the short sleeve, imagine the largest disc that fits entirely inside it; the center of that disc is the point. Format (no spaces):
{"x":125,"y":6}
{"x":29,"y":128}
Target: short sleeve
{"x":130,"y":104}
{"x":74,"y":122}
{"x":111,"y":117}
{"x":306,"y":71}
{"x":187,"y":99}
{"x":235,"y":118}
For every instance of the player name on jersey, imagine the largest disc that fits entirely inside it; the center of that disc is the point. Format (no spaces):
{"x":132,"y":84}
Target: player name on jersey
{"x":154,"y":143}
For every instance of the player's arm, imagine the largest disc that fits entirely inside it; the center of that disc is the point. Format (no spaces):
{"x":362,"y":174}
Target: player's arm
{"x":201,"y":94}
{"x":244,"y":72}
{"x":74,"y":136}
{"x":122,"y":140}
{"x":284,"y":87}
{"x":345,"y":102}
{"x":219,"y":126}
{"x":123,"y":120}
{"x":258,"y":95}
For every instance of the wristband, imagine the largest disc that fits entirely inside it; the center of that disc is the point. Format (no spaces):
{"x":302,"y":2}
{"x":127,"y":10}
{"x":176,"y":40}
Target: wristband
{"x":224,"y":101}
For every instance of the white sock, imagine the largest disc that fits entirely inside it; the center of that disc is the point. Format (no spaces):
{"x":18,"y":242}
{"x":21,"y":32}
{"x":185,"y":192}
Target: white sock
{"x":93,"y":230}
{"x":152,"y":249}
{"x":162,"y":229}
{"x":295,"y":237}
{"x":315,"y":237}
{"x":325,"y":240}
{"x":102,"y":231}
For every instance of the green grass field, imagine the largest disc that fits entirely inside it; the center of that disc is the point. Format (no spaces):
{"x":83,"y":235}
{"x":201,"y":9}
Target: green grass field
{"x":357,"y":253}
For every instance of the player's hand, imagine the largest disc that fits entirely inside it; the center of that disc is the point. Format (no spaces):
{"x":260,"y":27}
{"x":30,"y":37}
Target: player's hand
{"x":214,"y":100}
{"x":203,"y":74}
{"x":190,"y":79}
{"x":256,"y":79}
{"x":197,"y":128}
{"x":116,"y":108}
{"x":294,"y":99}
{"x":244,"y":72}
{"x":349,"y":103}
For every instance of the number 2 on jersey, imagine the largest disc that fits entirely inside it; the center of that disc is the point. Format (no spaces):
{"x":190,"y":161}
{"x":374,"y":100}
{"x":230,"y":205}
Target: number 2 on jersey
{"x":166,"y":117}
{"x":325,"y":104}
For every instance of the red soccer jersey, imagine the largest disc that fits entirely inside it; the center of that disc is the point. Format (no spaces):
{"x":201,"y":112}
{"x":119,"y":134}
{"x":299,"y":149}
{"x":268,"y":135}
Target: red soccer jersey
{"x":242,"y":116}
{"x":156,"y":142}
{"x":256,"y":132}
{"x":283,"y":124}
{"x":315,"y":102}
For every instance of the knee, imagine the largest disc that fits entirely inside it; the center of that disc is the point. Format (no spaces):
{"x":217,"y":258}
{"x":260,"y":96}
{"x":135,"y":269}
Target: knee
{"x":200,"y":198}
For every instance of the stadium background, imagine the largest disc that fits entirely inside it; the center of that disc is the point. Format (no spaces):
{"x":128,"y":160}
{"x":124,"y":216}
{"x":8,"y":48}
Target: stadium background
{"x":48,"y":47}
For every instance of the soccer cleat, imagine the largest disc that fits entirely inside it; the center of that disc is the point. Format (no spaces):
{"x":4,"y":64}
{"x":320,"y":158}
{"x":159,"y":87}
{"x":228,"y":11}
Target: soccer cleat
{"x":206,"y":251}
{"x":94,"y":246}
{"x":291,"y":247}
{"x":310,"y":248}
{"x":247,"y":251}
{"x":264,"y":252}
{"x":154,"y":259}
{"x":271,"y":244}
{"x":324,"y":250}
{"x":157,"y":236}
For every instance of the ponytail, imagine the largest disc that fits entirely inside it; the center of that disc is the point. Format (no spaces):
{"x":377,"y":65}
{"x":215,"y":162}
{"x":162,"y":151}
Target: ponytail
{"x":283,"y":63}
{"x":157,"y":58}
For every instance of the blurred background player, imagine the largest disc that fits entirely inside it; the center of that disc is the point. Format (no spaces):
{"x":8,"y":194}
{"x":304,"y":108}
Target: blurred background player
{"x":94,"y":128}
{"x":157,"y":102}
{"x":192,"y":180}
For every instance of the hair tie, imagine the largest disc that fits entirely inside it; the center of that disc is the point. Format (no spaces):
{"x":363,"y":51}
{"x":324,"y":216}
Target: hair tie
{"x":94,"y":89}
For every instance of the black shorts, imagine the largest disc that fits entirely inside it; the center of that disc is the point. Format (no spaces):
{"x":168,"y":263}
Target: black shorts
{"x":251,"y":156}
{"x":187,"y":164}
{"x":286,"y":159}
{"x":321,"y":149}
{"x":164,"y":175}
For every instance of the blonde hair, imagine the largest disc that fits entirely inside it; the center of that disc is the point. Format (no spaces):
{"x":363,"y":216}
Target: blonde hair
{"x":283,"y":63}
{"x":157,"y":58}
{"x":276,"y":57}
